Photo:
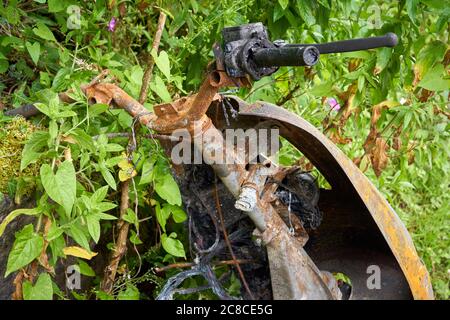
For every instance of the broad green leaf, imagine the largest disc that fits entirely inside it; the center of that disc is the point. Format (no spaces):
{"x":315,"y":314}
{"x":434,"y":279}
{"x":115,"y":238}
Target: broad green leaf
{"x":93,"y":227}
{"x":85,"y":269}
{"x":323,"y":89}
{"x":13,"y":214}
{"x":33,"y":148}
{"x":105,"y":206}
{"x":163,"y":63}
{"x":172,"y":245}
{"x":305,"y":10}
{"x":56,"y":5}
{"x":34,"y":50}
{"x":83,"y":139}
{"x":105,"y":216}
{"x":42,"y":290}
{"x":177,"y":213}
{"x":383,"y":57}
{"x":61,"y":187}
{"x":53,"y":129}
{"x":130,"y":293}
{"x":134,"y":238}
{"x":109,"y":178}
{"x":147,"y":170}
{"x":54,"y":232}
{"x":103,"y":295}
{"x":113,"y":147}
{"x":162,"y":215}
{"x":77,"y":233}
{"x":99,"y":194}
{"x":131,"y":217}
{"x":45,"y":109}
{"x":97,"y":109}
{"x":434,"y":81}
{"x":428,"y":56}
{"x":44,"y":32}
{"x":160,"y":89}
{"x":27,"y":247}
{"x":411,"y":8}
{"x":168,"y":189}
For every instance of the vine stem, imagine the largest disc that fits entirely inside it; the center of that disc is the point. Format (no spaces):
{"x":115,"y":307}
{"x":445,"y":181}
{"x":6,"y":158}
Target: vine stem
{"x":120,"y":247}
{"x":191,"y":264}
{"x":227,"y":241}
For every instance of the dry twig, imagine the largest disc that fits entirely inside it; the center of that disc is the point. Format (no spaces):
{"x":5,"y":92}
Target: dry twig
{"x":228,"y":243}
{"x":151,"y":62}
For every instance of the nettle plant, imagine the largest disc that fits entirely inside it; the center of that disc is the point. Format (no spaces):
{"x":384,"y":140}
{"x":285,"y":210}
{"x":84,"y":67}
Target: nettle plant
{"x":80,"y":169}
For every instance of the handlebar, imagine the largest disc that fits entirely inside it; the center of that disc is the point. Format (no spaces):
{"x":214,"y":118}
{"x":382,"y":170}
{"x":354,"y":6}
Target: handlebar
{"x":248,"y":51}
{"x":388,"y":40}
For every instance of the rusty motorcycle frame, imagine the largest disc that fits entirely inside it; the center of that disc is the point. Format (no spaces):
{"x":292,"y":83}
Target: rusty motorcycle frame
{"x":359,"y":228}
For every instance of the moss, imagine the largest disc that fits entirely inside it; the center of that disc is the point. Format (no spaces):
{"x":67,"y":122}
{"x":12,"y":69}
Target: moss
{"x":13,"y":137}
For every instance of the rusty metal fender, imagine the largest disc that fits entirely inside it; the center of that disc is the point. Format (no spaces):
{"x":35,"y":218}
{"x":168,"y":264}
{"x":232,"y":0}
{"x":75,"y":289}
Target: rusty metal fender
{"x":343,"y":174}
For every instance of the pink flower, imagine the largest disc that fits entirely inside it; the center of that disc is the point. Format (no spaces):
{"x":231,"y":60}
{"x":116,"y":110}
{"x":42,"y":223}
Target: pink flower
{"x":334,"y":105}
{"x":112,"y":24}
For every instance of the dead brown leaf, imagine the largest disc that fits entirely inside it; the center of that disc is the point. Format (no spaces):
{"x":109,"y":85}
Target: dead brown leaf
{"x":378,"y":156}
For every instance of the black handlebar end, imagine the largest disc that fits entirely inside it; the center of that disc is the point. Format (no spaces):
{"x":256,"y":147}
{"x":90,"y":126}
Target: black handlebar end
{"x":392,"y":39}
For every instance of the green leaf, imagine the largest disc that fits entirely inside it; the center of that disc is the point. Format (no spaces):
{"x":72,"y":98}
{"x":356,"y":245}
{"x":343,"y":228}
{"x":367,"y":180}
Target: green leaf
{"x":93,"y":227}
{"x":178,"y":214}
{"x":434,"y":81}
{"x":383,"y":57}
{"x":99,"y":194}
{"x":78,"y":235}
{"x":27,"y":247}
{"x":105,"y":216}
{"x":13,"y":214}
{"x":305,"y":10}
{"x":103,"y":295}
{"x":44,"y":32}
{"x":85,"y":269}
{"x":83,"y":139}
{"x":411,"y":8}
{"x":163,"y":63}
{"x":147,"y":170}
{"x":34,"y":50}
{"x":323,"y":89}
{"x":42,"y":290}
{"x":97,"y":109}
{"x":162,"y":215}
{"x":108,"y":177}
{"x":34,"y":145}
{"x":134,"y":239}
{"x":168,"y":189}
{"x":172,"y":245}
{"x":160,"y":89}
{"x":428,"y":56}
{"x":283,"y":3}
{"x":113,"y":147}
{"x":105,"y":206}
{"x":131,"y":217}
{"x":130,"y":293}
{"x":4,"y":65}
{"x":54,"y":232}
{"x":56,"y":5}
{"x":61,"y":187}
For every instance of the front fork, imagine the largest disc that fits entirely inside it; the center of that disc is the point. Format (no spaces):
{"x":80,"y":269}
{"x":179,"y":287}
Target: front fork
{"x":294,"y":275}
